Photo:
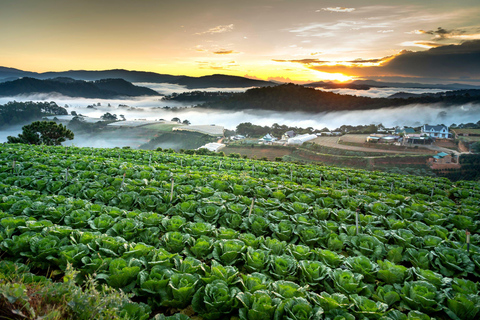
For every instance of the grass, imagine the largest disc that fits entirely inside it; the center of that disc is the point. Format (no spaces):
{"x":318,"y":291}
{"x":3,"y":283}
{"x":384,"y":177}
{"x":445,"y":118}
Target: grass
{"x":24,"y":295}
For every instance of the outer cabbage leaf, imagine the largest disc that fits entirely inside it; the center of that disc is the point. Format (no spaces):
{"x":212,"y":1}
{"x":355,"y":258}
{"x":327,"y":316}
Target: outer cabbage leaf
{"x":463,"y":306}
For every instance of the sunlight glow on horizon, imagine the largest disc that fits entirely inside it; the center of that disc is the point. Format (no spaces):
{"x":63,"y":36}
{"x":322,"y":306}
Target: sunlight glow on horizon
{"x":340,"y":77}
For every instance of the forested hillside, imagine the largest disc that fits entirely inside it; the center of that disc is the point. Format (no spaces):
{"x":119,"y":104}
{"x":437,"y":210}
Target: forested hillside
{"x":105,"y":88}
{"x":22,"y":112}
{"x":291,"y":97}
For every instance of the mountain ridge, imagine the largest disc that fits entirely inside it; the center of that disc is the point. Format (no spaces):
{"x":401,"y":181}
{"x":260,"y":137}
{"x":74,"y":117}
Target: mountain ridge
{"x":104,"y":88}
{"x":215,"y":80}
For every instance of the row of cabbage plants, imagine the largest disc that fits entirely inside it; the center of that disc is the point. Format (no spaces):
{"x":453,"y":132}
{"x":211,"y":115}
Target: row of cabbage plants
{"x":257,"y":239}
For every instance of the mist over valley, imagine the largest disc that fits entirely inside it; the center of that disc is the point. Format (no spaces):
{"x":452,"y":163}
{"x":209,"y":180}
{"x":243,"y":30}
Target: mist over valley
{"x":155,"y":108}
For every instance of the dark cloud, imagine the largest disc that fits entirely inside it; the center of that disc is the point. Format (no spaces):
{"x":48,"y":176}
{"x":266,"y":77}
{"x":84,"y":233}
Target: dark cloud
{"x":304,"y":61}
{"x":362,"y":61}
{"x":322,"y":62}
{"x":450,"y":61}
{"x":223,"y":51}
{"x":426,"y":44}
{"x":442,"y":34}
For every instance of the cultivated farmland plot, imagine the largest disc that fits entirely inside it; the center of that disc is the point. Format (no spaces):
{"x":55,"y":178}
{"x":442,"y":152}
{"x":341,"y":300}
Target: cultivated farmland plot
{"x":244,"y":238}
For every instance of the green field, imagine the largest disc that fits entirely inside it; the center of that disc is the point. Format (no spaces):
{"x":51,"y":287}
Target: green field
{"x":161,"y":127}
{"x":222,"y":238}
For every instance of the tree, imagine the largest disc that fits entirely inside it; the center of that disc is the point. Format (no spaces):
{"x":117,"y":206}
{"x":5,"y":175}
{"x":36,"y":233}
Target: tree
{"x":475,"y":147}
{"x":186,"y":122}
{"x":109,"y":117}
{"x":43,"y":132}
{"x":176,"y":120}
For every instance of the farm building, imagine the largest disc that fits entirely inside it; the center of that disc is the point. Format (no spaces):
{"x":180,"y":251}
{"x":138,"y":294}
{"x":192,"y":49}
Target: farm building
{"x":382,"y":138}
{"x":289,"y":134}
{"x":237,"y":137}
{"x":298,"y":140}
{"x":212,"y":146}
{"x":417,"y":139}
{"x":267,"y":138}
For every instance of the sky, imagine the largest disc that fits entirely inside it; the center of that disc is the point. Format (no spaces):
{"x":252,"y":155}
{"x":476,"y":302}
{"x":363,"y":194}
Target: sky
{"x":285,"y":40}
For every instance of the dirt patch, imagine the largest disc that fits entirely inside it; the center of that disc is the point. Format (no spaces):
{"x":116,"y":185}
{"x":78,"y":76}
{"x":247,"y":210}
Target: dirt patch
{"x":356,"y":142}
{"x":446,"y":144}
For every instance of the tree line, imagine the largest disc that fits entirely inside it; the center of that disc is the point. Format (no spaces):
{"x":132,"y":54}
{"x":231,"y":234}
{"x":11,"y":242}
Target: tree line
{"x":277,"y":130}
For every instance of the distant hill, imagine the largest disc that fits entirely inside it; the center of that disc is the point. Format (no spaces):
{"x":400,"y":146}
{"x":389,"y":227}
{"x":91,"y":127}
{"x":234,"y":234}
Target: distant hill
{"x":291,"y":97}
{"x":221,"y":81}
{"x":367,"y":84}
{"x":216,"y":80}
{"x":8,"y":74}
{"x":105,"y":88}
{"x":448,"y":94}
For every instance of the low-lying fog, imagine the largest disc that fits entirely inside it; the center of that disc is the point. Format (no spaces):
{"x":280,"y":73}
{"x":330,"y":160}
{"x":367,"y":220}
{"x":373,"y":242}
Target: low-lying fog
{"x":381,"y":92}
{"x":151,"y":108}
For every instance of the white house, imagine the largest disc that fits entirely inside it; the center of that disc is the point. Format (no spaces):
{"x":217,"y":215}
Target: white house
{"x":439,"y":131}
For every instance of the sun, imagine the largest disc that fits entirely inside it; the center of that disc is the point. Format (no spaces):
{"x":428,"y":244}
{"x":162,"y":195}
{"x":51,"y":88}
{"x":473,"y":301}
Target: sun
{"x":339,"y":77}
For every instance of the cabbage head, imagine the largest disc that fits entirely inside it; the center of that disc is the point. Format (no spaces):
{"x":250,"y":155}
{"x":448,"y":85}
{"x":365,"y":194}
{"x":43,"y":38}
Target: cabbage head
{"x":215,"y":300}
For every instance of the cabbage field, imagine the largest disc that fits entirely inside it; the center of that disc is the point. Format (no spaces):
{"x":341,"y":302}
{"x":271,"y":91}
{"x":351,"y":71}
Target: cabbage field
{"x":221,"y":238}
